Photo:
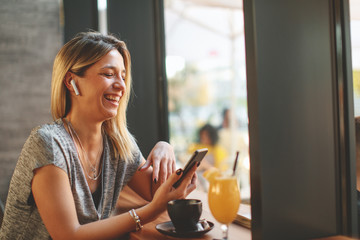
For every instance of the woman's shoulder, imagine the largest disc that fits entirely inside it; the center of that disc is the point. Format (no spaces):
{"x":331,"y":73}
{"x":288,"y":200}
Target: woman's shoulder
{"x":48,"y":132}
{"x":47,"y":144}
{"x":49,"y":129}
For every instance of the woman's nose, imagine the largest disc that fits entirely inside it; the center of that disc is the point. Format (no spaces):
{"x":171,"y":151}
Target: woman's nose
{"x":120,"y":83}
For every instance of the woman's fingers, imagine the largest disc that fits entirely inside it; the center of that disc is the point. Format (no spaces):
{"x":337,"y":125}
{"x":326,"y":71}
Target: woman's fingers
{"x":169,"y":169}
{"x":188,"y":184}
{"x":168,"y":185}
{"x":162,"y":158}
{"x":192,"y":186}
{"x":167,"y":192}
{"x":173,"y":166}
{"x":156,"y":168}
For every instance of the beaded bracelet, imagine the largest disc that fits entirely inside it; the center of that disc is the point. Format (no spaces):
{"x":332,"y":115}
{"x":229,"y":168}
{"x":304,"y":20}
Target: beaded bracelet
{"x":136,"y":219}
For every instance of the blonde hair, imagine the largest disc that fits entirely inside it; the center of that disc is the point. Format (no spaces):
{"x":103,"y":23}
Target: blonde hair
{"x":77,"y":56}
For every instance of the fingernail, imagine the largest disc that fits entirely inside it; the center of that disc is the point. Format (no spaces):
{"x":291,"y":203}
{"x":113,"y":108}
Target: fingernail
{"x":198,"y":164}
{"x":178,"y":172}
{"x":155,"y":180}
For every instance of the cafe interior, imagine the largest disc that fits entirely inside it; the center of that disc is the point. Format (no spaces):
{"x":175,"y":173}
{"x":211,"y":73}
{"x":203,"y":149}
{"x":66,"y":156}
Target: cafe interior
{"x":271,"y":88}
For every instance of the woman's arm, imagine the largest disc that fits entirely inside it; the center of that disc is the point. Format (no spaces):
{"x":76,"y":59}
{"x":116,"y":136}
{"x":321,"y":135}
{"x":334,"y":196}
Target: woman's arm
{"x":54,"y":200}
{"x":142,"y":183}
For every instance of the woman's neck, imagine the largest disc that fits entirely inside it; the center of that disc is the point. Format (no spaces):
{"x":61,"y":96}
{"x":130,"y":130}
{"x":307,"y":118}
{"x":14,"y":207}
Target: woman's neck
{"x":87,"y":130}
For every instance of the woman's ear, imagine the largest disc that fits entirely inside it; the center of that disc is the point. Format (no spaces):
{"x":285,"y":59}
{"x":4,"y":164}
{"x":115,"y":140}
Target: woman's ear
{"x":70,"y":83}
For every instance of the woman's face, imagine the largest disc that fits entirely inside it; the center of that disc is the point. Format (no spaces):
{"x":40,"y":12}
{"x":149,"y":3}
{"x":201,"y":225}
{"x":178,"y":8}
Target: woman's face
{"x":205,"y":138}
{"x":102,"y":86}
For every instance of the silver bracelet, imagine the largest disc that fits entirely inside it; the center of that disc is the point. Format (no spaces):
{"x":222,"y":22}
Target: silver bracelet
{"x":136,"y":219}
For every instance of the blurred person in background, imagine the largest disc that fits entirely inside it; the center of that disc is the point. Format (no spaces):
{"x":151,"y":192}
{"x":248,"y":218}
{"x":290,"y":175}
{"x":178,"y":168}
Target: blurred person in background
{"x":208,"y":138}
{"x":231,"y":138}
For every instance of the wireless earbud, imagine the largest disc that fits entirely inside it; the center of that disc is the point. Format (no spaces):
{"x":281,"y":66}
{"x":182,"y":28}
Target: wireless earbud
{"x":74,"y":87}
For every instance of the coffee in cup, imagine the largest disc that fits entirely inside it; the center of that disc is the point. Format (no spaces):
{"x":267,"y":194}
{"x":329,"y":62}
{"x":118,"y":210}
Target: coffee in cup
{"x":185,"y":214}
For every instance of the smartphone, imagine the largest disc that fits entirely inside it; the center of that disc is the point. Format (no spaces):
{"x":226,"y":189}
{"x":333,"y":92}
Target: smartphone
{"x":196,"y":158}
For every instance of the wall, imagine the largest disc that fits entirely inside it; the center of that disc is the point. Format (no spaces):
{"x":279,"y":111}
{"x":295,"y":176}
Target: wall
{"x":29,"y":40}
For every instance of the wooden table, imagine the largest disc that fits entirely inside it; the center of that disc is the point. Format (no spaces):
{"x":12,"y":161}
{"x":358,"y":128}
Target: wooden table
{"x":149,"y":231}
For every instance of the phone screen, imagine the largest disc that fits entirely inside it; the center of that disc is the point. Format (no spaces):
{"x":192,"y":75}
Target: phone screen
{"x":196,"y":158}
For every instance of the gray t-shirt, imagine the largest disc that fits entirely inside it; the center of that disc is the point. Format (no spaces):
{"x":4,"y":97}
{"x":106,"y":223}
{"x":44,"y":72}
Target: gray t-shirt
{"x":51,"y":144}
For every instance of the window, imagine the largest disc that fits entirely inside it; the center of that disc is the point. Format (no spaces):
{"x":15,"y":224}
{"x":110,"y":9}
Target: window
{"x":205,"y":65}
{"x":355,"y":45}
{"x":355,"y":52}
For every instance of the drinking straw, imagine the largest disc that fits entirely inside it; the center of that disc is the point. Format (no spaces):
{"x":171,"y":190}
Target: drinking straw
{"x":235,"y":163}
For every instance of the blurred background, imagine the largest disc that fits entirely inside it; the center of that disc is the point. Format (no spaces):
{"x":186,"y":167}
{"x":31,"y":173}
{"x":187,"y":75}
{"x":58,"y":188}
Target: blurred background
{"x":355,"y":45}
{"x":206,"y":73}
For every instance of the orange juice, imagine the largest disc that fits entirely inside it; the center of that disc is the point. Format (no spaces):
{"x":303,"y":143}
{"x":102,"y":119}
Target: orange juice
{"x":224,"y":198}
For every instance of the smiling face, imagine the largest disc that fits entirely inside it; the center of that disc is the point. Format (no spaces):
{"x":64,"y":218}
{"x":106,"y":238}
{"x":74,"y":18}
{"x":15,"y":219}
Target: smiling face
{"x":102,"y":87}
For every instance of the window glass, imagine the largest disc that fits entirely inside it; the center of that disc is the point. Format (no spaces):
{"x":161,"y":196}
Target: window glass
{"x":355,"y":46}
{"x":355,"y":53}
{"x":205,"y":66}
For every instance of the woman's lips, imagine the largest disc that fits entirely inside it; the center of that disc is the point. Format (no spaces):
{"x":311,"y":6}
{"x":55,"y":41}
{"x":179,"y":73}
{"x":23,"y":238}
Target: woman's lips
{"x":114,"y":99}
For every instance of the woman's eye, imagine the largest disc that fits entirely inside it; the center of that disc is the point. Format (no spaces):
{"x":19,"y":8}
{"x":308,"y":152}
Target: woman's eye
{"x":108,"y":74}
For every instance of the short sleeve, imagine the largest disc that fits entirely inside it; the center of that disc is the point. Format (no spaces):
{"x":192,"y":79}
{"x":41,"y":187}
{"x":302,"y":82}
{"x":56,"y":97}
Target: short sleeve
{"x":137,"y":156}
{"x":43,"y":148}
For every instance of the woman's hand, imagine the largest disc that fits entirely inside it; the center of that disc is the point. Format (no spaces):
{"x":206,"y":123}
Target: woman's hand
{"x":162,"y":158}
{"x":167,"y":192}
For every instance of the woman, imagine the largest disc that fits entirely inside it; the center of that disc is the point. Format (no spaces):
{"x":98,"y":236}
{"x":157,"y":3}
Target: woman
{"x":208,"y":138}
{"x":70,"y":172}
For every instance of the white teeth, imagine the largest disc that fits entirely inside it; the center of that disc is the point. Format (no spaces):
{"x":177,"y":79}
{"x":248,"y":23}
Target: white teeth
{"x":113,"y":98}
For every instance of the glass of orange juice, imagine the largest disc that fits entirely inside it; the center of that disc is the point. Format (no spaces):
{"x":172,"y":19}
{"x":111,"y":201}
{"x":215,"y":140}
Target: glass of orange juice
{"x":224,"y":200}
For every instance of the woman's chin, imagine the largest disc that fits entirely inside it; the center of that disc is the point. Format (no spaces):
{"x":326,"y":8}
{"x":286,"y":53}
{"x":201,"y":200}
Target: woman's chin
{"x":107,"y":115}
{"x":110,"y":116}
